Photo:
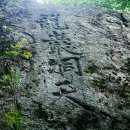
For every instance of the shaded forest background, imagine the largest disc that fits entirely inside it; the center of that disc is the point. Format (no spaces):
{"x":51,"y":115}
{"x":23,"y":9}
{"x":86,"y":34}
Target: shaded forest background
{"x":119,"y":5}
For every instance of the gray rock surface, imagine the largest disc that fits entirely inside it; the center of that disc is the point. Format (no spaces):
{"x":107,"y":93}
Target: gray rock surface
{"x":80,"y":66}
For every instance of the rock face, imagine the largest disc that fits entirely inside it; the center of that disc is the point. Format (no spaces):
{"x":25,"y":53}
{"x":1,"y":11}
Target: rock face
{"x":79,"y":76}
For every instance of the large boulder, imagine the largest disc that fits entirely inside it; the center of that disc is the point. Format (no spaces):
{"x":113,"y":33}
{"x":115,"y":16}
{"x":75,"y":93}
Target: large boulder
{"x":79,"y":76}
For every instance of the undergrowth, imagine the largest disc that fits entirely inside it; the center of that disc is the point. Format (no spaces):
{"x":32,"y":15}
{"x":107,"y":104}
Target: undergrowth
{"x":11,"y":58}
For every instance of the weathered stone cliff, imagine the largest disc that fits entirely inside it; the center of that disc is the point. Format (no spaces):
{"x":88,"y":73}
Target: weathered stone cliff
{"x":78,"y":77}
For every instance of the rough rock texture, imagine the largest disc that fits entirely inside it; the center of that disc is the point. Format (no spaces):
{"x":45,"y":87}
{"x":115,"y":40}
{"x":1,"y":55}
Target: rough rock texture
{"x":79,"y":76}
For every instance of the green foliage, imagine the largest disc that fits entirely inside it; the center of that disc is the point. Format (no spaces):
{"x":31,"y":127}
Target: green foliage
{"x":22,"y":40}
{"x":10,"y":57}
{"x":7,"y":79}
{"x":15,"y":80}
{"x":119,"y":5}
{"x":11,"y":78}
{"x":8,"y":28}
{"x":17,"y":47}
{"x":14,"y":120}
{"x":28,"y":129}
{"x":11,"y":53}
{"x":14,"y":51}
{"x":17,"y":50}
{"x":75,"y":2}
{"x":27,"y":54}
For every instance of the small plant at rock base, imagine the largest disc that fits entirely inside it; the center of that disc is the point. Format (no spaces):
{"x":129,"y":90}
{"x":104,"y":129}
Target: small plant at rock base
{"x":11,"y":54}
{"x":14,"y":120}
{"x":6,"y":79}
{"x":15,"y":79}
{"x":22,"y":40}
{"x":17,"y":47}
{"x":27,"y":54}
{"x":11,"y":79}
{"x":8,"y":28}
